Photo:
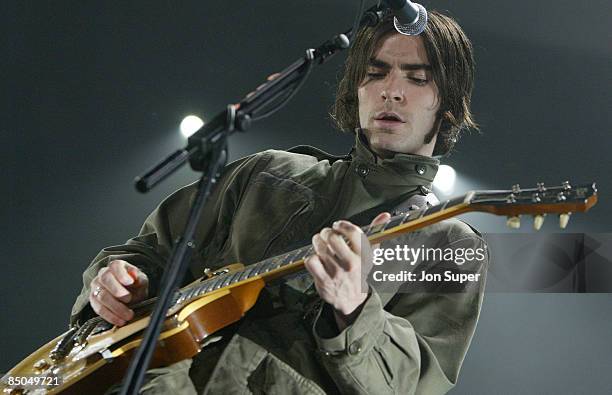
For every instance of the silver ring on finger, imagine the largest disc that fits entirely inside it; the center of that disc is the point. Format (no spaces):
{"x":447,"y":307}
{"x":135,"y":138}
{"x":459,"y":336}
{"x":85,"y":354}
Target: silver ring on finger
{"x":97,"y":292}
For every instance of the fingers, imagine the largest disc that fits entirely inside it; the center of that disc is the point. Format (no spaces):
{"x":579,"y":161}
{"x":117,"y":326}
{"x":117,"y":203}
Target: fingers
{"x":116,"y":285}
{"x":119,"y":269}
{"x":325,"y":253}
{"x":108,"y":280}
{"x":107,"y":306}
{"x":336,"y":267}
{"x":317,"y":270}
{"x":380,"y":219}
{"x":351,"y":232}
{"x":343,"y":253}
{"x":108,"y":315}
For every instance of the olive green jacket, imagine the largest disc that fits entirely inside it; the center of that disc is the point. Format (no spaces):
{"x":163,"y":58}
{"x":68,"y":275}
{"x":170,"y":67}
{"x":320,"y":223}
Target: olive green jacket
{"x":264,"y":203}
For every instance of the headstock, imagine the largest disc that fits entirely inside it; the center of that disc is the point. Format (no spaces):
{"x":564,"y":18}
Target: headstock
{"x":539,"y":201}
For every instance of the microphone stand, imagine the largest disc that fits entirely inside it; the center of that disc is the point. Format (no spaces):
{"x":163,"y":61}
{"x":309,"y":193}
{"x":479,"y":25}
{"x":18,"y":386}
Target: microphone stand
{"x":207,"y":152}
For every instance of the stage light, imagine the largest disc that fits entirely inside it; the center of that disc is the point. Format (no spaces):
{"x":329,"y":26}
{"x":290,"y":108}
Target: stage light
{"x":445,"y":179}
{"x":190,"y":124}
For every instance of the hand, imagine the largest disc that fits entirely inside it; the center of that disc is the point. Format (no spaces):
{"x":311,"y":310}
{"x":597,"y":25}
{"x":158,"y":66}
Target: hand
{"x":336,"y":267}
{"x":114,"y":287}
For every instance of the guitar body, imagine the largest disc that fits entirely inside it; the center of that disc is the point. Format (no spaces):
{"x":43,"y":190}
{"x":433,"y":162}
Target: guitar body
{"x":105,"y":359}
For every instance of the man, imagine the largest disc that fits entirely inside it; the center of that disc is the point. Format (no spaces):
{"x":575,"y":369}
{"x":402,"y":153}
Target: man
{"x":407,"y":98}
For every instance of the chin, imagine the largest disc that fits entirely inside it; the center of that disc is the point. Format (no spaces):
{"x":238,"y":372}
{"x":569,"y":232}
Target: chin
{"x":383,"y":150}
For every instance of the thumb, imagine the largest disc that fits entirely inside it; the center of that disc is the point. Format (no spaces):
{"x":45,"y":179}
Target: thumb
{"x":380,"y":219}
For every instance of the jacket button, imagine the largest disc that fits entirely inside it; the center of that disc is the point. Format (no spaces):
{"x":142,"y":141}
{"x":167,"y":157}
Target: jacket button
{"x":362,"y":170}
{"x":420,"y":169}
{"x":354,"y":348}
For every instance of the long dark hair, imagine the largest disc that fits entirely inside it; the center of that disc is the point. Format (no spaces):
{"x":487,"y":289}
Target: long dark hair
{"x":451,"y":57}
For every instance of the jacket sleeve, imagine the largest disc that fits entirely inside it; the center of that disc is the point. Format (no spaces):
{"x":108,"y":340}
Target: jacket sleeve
{"x":151,"y":249}
{"x":413,"y":344}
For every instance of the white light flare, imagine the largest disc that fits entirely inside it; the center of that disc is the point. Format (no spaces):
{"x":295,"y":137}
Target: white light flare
{"x":445,"y":179}
{"x":190,"y":124}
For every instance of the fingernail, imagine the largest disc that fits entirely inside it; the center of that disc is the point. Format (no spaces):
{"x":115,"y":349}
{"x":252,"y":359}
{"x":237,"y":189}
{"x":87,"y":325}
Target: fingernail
{"x":336,"y":224}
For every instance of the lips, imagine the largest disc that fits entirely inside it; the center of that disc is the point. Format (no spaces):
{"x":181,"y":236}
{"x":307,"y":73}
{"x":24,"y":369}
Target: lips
{"x":387,"y":116}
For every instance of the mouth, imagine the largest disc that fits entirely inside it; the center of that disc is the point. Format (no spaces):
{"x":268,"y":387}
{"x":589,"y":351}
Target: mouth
{"x":388,"y":119}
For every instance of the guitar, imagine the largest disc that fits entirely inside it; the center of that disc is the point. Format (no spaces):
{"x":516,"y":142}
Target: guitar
{"x":90,"y":358}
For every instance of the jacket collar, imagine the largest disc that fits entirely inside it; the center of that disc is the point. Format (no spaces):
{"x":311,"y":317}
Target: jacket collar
{"x":402,"y":169}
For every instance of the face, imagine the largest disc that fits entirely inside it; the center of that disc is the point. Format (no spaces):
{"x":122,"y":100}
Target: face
{"x":398,"y":98}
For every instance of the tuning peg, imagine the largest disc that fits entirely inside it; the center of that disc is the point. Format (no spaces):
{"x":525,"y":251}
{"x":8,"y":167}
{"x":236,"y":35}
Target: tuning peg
{"x":514,"y":222}
{"x":516,"y":188}
{"x":541,"y":187}
{"x":538,"y":220}
{"x":563,"y":220}
{"x":566,"y":185}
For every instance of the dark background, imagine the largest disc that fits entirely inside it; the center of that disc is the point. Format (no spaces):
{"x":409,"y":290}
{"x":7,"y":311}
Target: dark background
{"x":93,"y":94}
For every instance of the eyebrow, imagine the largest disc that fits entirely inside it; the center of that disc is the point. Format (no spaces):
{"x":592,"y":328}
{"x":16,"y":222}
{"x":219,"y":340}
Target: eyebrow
{"x":404,"y":66}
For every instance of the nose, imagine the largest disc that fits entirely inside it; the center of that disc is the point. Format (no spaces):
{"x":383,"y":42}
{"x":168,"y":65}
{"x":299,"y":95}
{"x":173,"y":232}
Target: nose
{"x":392,"y":91}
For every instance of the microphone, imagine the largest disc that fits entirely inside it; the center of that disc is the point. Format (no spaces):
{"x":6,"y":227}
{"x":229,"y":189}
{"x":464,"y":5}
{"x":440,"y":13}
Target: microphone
{"x":410,"y":18}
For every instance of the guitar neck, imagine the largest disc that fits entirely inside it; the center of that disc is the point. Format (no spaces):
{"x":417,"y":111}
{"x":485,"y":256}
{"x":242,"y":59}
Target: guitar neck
{"x":562,"y":199}
{"x":293,"y":261}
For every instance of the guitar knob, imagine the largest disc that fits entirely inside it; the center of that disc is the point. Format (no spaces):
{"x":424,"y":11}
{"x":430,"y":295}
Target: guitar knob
{"x":514,"y":222}
{"x":41,"y":365}
{"x":538,"y":220}
{"x":563,"y":220}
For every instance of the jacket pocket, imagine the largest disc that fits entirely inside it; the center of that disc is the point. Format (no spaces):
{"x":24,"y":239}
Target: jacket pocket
{"x":383,"y":366}
{"x":270,"y":211}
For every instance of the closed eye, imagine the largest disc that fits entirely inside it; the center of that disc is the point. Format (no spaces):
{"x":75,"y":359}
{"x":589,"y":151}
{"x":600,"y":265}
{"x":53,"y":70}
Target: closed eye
{"x":419,"y":81}
{"x":375,"y":75}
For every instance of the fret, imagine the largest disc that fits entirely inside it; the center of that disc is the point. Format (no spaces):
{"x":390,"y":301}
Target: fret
{"x":251,"y":271}
{"x":434,"y":209}
{"x":292,"y":255}
{"x":244,"y":274}
{"x":277,"y":262}
{"x":264,"y":266}
{"x":208,"y":286}
{"x":393,"y":222}
{"x":305,"y":251}
{"x":421,"y":213}
{"x":227,"y":279}
{"x":216,"y":283}
{"x":175,"y":298}
{"x":286,"y":258}
{"x":235,"y":277}
{"x":260,"y":267}
{"x":199,"y":289}
{"x":455,"y":201}
{"x":192,"y":292}
{"x":406,"y":216}
{"x":254,"y":270}
{"x":376,"y":229}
